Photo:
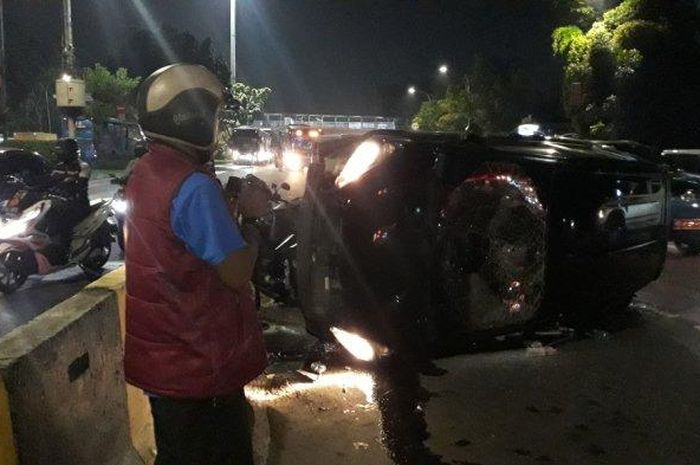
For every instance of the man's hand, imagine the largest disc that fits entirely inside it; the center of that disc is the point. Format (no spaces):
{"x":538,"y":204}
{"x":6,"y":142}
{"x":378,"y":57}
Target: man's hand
{"x":253,"y":200}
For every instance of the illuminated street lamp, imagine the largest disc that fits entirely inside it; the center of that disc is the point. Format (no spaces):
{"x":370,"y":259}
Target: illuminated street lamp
{"x":413,"y":90}
{"x":443,"y":69}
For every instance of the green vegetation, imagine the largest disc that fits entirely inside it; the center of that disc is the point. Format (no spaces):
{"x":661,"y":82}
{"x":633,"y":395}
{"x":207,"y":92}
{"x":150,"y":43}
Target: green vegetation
{"x":631,"y":73}
{"x":494,"y":101}
{"x":109,"y":90}
{"x":252,"y":101}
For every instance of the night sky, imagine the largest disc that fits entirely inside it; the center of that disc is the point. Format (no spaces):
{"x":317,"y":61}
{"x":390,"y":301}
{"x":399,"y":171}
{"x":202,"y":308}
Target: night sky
{"x":342,"y":56}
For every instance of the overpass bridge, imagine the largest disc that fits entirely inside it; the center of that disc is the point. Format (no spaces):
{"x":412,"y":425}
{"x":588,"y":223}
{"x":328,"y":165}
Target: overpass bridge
{"x":347,"y":122}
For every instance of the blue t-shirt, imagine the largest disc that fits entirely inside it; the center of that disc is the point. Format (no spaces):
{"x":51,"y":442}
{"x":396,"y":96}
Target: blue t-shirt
{"x":199,"y":216}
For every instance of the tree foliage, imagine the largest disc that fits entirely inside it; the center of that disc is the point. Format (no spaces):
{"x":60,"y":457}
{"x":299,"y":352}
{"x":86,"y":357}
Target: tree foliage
{"x":108,"y":90}
{"x":630,"y":73}
{"x":245,"y":104}
{"x":492,"y":100}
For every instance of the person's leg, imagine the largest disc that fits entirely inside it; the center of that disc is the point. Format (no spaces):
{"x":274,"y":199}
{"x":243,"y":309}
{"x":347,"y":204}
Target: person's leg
{"x":184,"y":431}
{"x":234,"y":418}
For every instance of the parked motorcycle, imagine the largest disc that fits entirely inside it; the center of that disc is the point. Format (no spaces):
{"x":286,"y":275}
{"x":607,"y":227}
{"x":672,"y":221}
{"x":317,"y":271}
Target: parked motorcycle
{"x":275,"y":274}
{"x":24,"y":244}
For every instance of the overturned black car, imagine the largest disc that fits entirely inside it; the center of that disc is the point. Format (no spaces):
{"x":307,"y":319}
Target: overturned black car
{"x":412,"y":235}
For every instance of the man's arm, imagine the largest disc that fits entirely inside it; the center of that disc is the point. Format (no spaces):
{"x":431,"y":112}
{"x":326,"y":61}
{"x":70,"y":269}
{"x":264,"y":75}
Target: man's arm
{"x":200,"y":217}
{"x":236,"y":270}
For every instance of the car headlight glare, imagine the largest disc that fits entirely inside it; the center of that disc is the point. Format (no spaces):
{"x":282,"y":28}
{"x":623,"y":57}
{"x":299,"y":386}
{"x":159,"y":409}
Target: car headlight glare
{"x":367,"y":155}
{"x":358,"y":346}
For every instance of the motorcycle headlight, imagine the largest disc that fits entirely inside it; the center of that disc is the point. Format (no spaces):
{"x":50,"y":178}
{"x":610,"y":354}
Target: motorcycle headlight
{"x":689,"y":196}
{"x":367,"y":155}
{"x":19,"y":226}
{"x":120,"y":206}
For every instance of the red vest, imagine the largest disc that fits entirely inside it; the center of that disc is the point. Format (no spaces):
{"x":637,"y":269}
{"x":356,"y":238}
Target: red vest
{"x":187,"y":334}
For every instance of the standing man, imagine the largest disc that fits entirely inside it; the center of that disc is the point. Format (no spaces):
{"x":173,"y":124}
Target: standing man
{"x":192,"y":336}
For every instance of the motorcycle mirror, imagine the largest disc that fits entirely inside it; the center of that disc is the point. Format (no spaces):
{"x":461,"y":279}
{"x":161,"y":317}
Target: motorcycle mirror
{"x":285,"y":186}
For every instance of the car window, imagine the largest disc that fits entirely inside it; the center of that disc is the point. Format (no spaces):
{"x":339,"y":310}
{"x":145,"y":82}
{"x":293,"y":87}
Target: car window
{"x":687,"y":162}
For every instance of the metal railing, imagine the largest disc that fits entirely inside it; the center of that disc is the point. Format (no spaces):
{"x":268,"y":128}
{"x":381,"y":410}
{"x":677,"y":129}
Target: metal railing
{"x":276,"y":120}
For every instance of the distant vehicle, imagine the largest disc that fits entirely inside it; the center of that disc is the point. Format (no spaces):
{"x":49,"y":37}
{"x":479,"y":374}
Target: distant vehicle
{"x":298,"y":145}
{"x":118,"y":139}
{"x":685,"y":200}
{"x":413,"y":237}
{"x":17,"y":169}
{"x":250,"y":146}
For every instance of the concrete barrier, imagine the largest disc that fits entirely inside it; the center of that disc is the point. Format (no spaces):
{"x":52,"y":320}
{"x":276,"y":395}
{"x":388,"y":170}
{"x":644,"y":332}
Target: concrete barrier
{"x":63,"y":399}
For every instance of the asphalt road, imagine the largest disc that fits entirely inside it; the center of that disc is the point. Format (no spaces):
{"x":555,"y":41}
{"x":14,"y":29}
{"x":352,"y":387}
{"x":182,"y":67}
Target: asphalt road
{"x":42,"y":293}
{"x":624,"y":393}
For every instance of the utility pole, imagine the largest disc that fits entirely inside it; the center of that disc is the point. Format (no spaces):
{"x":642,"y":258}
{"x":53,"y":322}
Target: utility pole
{"x":3,"y":73}
{"x":68,"y":48}
{"x":66,"y":85}
{"x":233,"y":41}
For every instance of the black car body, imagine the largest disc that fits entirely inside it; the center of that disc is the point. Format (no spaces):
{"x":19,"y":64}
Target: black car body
{"x":17,"y":169}
{"x":476,"y":236}
{"x":685,"y":201}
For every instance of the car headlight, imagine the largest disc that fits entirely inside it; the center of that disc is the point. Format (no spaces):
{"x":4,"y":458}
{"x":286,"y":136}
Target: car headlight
{"x":367,"y":155}
{"x":689,"y":196}
{"x":293,"y":160}
{"x":120,"y":206}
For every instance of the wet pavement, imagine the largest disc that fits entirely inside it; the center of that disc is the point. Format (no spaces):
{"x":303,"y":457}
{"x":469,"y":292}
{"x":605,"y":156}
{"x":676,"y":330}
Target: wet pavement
{"x":622,"y":393}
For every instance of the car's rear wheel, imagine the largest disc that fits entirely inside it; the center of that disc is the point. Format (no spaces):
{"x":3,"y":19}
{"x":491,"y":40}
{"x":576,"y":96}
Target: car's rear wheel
{"x":493,"y":252}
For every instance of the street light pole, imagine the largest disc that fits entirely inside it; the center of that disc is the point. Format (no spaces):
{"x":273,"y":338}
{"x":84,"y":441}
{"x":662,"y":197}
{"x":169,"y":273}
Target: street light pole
{"x":233,"y":41}
{"x":68,"y":48}
{"x":68,"y":58}
{"x":3,"y":73}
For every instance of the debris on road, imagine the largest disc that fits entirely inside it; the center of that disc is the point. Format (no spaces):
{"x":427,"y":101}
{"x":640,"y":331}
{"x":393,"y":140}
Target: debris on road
{"x":360,"y":445}
{"x":537,"y":349}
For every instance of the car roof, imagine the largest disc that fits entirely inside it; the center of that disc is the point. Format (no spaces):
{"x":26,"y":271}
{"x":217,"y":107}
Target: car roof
{"x":695,"y":152}
{"x":550,"y":148}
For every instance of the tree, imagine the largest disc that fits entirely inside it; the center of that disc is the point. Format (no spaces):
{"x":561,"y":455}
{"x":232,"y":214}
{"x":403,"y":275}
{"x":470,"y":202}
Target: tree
{"x":245,"y":103}
{"x":632,"y":73}
{"x":108,"y":90}
{"x":495,"y":100}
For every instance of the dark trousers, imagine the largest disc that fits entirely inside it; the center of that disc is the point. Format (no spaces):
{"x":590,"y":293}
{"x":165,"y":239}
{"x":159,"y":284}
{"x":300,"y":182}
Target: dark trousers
{"x":213,"y":431}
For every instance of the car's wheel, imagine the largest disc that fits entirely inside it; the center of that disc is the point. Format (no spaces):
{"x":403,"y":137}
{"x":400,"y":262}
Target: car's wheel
{"x":493,"y":252}
{"x":93,"y":264}
{"x":11,"y":275}
{"x":688,"y":249}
